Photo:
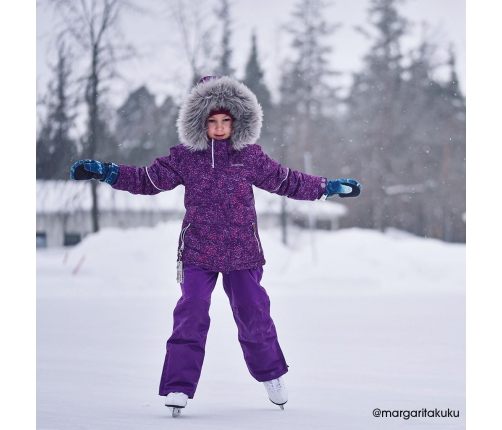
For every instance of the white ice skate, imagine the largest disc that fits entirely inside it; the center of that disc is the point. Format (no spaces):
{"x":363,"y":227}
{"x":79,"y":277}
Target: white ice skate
{"x":277,"y":392}
{"x":176,"y":402}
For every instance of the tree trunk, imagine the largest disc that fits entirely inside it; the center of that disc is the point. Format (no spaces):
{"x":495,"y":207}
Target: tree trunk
{"x":284,"y":221}
{"x":92,"y":99}
{"x":94,"y":209}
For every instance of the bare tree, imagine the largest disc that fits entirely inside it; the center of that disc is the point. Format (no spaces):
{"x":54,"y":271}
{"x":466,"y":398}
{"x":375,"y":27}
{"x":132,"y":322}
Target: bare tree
{"x":196,"y":35}
{"x":93,"y":25}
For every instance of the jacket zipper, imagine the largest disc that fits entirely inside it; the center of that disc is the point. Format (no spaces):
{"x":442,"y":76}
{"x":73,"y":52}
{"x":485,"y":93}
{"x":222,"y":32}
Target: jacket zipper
{"x":212,"y":152}
{"x":180,"y":273}
{"x":255,"y":232}
{"x":182,"y":246}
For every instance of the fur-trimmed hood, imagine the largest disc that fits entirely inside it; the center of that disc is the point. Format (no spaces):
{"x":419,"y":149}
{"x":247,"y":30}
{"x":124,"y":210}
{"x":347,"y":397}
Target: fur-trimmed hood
{"x":213,"y":93}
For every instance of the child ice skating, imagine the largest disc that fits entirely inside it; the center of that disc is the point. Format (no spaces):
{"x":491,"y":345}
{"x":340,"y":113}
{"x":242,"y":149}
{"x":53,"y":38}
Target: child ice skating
{"x":219,"y":162}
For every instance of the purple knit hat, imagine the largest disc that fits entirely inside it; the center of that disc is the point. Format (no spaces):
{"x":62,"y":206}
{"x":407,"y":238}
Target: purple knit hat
{"x":208,"y":78}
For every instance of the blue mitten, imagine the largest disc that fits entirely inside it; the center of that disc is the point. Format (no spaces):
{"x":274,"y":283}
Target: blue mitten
{"x":343,"y":188}
{"x":86,"y":170}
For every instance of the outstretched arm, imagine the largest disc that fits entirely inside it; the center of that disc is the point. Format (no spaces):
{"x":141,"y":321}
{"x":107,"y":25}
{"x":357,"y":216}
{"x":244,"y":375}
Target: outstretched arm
{"x":162,"y":175}
{"x":273,"y":177}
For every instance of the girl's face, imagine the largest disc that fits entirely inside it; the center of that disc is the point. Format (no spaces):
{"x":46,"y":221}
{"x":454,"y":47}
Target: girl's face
{"x":219,"y":126}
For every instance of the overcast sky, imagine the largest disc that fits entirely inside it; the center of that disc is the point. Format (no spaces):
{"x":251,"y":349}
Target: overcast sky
{"x":163,"y":65}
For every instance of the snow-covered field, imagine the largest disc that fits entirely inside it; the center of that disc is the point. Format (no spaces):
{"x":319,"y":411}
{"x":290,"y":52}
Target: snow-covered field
{"x":366,"y":320}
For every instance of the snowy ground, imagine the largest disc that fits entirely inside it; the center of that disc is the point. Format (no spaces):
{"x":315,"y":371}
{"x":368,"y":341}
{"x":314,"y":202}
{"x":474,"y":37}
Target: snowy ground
{"x":366,"y":320}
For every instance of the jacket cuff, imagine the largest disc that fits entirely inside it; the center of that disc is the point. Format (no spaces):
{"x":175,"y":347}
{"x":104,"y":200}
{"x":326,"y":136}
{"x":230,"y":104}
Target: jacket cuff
{"x":113,"y":172}
{"x":324,"y":191}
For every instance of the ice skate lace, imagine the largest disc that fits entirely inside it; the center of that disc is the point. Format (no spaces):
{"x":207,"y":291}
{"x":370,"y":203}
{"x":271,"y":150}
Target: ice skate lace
{"x":274,"y":385}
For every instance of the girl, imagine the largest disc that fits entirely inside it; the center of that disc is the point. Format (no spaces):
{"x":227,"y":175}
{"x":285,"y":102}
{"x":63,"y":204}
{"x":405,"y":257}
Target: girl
{"x":218,"y":162}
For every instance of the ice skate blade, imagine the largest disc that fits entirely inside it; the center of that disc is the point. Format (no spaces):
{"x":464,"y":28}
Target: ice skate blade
{"x":280,"y":405}
{"x":176,"y":410}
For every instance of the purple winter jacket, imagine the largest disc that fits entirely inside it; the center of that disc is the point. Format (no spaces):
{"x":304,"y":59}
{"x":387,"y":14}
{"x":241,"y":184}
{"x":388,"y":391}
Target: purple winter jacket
{"x":220,"y":227}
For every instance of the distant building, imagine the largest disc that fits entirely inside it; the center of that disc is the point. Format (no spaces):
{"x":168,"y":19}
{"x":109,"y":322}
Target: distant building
{"x":64,"y":210}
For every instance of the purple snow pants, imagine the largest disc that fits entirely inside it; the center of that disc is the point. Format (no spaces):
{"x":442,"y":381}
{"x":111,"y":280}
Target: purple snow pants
{"x":256,"y":330}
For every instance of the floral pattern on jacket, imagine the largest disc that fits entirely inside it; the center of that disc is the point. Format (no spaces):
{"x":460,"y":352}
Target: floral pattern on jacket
{"x":220,"y":227}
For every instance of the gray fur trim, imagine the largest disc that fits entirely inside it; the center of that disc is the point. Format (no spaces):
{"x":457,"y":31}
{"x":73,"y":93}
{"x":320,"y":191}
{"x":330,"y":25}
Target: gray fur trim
{"x":221,"y":93}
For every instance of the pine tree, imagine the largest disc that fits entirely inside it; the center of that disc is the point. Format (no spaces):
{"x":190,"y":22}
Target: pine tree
{"x":402,"y":123}
{"x":254,"y":77}
{"x":454,"y":165}
{"x":143,"y":130}
{"x":439,"y":150}
{"x":166,"y":131}
{"x":56,"y":150}
{"x":136,"y":124}
{"x":45,"y":152}
{"x":254,"y":80}
{"x":308,"y":99}
{"x":375,"y":106}
{"x":224,"y":67}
